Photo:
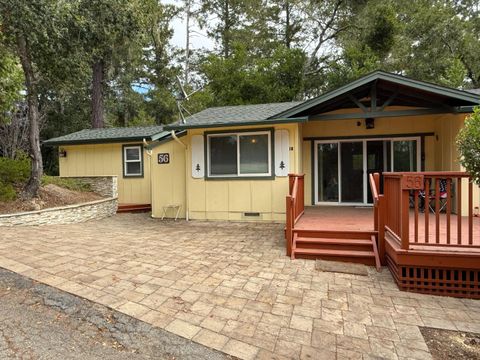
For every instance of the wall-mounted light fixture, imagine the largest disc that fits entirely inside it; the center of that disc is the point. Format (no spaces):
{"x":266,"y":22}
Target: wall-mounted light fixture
{"x":62,"y":153}
{"x":369,"y":123}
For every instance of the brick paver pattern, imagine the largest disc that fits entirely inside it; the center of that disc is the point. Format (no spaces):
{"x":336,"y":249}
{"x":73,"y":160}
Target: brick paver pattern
{"x":230,"y":286}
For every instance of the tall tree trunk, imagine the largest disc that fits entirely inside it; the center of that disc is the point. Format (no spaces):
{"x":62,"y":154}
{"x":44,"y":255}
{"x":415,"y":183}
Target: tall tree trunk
{"x":98,"y":69}
{"x":33,"y":184}
{"x":288,"y":34}
{"x":226,"y":30}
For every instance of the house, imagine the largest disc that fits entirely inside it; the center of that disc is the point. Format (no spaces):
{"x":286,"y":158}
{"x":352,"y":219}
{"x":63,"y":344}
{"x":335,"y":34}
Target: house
{"x":383,"y":141}
{"x":232,"y":163}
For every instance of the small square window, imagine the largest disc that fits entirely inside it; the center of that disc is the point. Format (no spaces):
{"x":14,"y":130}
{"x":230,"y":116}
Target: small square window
{"x":132,"y":161}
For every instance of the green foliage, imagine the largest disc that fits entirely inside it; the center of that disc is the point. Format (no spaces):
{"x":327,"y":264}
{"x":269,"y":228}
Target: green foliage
{"x":243,"y":79}
{"x":11,"y":82}
{"x":14,"y":171}
{"x":468,"y":142}
{"x":67,"y":183}
{"x":7,"y":192}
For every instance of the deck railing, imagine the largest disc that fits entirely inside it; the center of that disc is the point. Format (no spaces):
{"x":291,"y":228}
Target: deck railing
{"x":295,"y":206}
{"x":437,"y":195}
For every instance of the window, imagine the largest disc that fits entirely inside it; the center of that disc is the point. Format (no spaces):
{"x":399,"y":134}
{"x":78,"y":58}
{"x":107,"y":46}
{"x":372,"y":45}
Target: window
{"x":245,"y":154}
{"x":132,"y":161}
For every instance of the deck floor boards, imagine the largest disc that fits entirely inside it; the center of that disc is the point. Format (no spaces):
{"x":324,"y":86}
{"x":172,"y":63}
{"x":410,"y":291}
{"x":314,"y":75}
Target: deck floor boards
{"x":361,"y":218}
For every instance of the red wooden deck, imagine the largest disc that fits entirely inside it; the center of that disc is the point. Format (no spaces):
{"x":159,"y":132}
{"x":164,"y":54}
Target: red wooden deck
{"x":435,"y":255}
{"x":361,"y":219}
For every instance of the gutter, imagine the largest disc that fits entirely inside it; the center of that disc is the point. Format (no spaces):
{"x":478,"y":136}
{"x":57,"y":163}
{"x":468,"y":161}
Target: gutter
{"x":187,"y":207}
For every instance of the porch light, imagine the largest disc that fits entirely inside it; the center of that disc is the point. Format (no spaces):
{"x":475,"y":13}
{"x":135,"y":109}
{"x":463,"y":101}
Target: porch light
{"x":62,"y":153}
{"x":369,"y":123}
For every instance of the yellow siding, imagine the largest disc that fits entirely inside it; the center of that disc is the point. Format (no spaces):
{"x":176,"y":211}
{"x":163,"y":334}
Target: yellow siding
{"x":105,"y":160}
{"x":168,"y":180}
{"x":447,"y":155}
{"x":230,"y":199}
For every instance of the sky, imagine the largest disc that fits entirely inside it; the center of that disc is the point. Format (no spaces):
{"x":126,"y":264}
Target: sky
{"x":198,"y":38}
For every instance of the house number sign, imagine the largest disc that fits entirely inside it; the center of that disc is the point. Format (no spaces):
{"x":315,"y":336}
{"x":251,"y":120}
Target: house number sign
{"x":412,"y":182}
{"x":164,"y":158}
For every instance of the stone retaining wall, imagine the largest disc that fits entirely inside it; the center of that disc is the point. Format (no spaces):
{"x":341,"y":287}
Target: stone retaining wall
{"x":63,"y":215}
{"x":103,"y":185}
{"x":106,"y":186}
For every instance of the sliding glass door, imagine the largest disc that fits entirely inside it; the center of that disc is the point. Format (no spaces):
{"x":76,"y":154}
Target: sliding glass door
{"x":351,"y":172}
{"x":342,"y":167}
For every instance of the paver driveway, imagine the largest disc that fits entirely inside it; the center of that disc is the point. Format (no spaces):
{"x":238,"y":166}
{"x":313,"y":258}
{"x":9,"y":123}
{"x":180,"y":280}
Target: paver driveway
{"x":229,"y":286}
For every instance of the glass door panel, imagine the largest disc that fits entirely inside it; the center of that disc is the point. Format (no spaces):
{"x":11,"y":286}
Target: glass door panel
{"x":327,"y":171}
{"x":405,"y":155}
{"x":375,"y":162}
{"x":351,"y":156}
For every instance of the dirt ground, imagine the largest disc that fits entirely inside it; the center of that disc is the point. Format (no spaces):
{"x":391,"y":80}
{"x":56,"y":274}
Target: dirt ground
{"x":449,"y":344}
{"x":49,"y":196}
{"x":41,"y":322}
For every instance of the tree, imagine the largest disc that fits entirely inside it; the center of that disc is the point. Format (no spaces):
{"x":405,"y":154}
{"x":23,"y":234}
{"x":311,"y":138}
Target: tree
{"x":105,"y":31}
{"x":468,"y":142}
{"x":223,"y":19}
{"x":11,"y":82}
{"x":245,"y":79}
{"x":30,"y":29}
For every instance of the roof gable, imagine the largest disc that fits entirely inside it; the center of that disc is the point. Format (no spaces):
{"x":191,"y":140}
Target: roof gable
{"x":411,"y":89}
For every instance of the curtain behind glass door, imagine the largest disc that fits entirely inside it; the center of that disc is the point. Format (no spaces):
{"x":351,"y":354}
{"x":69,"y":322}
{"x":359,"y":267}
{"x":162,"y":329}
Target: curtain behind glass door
{"x":327,"y":165}
{"x":405,"y":155}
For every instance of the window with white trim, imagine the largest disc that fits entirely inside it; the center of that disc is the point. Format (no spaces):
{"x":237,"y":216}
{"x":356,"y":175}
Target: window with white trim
{"x":243,"y":154}
{"x":132,"y":161}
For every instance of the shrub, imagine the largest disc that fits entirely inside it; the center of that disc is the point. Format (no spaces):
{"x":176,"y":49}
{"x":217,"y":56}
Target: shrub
{"x":7,"y":192}
{"x":468,"y":142}
{"x":70,"y":184}
{"x":14,"y":171}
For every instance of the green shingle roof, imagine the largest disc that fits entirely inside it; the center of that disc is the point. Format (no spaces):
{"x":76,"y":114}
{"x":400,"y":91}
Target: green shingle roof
{"x":236,"y":115}
{"x":110,"y":135}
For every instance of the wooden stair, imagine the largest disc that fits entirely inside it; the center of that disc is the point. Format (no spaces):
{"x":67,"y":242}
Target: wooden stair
{"x":124,"y":208}
{"x":348,"y":246}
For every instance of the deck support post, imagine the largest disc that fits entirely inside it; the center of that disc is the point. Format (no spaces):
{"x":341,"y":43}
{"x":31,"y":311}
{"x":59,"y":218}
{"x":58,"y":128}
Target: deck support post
{"x":405,"y":218}
{"x":382,"y":209}
{"x":289,"y":224}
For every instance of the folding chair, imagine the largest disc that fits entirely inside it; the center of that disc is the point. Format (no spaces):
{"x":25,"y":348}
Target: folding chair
{"x":431,"y":196}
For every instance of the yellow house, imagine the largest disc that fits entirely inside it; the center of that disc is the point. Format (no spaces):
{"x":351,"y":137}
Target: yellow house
{"x":232,"y":163}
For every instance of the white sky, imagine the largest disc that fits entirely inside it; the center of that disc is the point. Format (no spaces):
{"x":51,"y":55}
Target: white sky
{"x":198,"y":38}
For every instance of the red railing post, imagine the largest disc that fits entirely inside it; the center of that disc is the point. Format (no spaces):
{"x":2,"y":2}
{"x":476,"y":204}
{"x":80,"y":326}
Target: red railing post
{"x":289,"y":224}
{"x":405,"y":218}
{"x":381,"y":228}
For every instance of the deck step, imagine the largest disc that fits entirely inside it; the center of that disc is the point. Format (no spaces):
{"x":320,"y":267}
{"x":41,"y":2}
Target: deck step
{"x":123,"y":208}
{"x":326,"y":241}
{"x":335,"y":253}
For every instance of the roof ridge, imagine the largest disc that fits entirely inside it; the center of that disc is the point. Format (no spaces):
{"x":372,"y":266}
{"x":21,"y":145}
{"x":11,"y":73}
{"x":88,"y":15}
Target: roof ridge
{"x":240,"y":105}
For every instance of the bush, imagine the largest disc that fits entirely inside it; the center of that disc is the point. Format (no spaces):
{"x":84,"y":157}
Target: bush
{"x":7,"y":192}
{"x":468,"y":142}
{"x":14,"y":171}
{"x":70,"y":184}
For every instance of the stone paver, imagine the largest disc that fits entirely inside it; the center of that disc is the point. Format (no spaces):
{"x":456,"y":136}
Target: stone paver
{"x":230,"y":286}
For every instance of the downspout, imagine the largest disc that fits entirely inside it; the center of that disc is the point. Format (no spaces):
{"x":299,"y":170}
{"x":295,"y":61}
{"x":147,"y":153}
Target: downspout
{"x":149,"y":153}
{"x":175,"y":137}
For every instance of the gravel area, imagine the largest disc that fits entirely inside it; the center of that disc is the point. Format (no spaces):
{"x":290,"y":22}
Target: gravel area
{"x":41,"y":322}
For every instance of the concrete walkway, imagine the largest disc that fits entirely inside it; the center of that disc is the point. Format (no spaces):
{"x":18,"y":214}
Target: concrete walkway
{"x":229,"y":286}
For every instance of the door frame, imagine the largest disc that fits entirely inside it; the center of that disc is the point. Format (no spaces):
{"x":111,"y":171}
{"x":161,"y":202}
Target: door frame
{"x":365,"y":173}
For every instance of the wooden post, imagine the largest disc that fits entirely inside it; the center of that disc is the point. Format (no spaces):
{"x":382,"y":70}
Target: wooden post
{"x":289,"y":225}
{"x":404,"y":218}
{"x":382,"y":208}
{"x":470,"y":211}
